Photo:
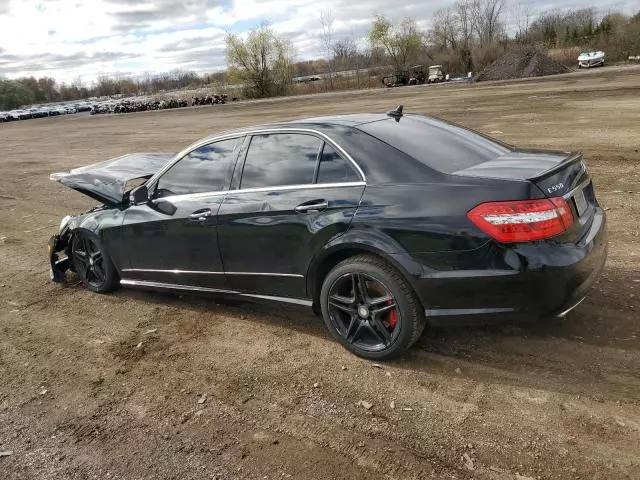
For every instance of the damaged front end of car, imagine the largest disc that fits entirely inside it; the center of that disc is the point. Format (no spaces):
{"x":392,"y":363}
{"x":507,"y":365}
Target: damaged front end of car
{"x":109,"y":182}
{"x":59,"y":257}
{"x":59,"y":245}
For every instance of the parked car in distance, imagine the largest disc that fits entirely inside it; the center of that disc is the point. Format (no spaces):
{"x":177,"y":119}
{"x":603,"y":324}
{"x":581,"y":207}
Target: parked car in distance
{"x":19,"y":114}
{"x":591,"y":59}
{"x":379,"y":222}
{"x":82,"y":107}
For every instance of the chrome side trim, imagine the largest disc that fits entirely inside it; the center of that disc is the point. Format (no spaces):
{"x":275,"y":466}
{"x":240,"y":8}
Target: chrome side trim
{"x":309,"y":186}
{"x":143,"y":283}
{"x":440,"y":312}
{"x":564,"y":314}
{"x":177,"y":272}
{"x":263,"y":274}
{"x":258,"y":131}
{"x":295,"y":301}
{"x":170,"y":286}
{"x":580,"y":186}
{"x":204,"y":272}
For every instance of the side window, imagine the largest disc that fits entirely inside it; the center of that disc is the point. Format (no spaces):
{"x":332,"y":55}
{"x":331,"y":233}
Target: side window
{"x":280,"y":159}
{"x":335,"y":169}
{"x":206,"y":169}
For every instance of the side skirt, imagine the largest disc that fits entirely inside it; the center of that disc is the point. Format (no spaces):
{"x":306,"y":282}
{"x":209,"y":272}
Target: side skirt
{"x":188,"y":288}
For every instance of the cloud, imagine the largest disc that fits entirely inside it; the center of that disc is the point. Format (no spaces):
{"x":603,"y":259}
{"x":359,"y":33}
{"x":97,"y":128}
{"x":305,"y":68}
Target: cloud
{"x":89,"y":38}
{"x":48,"y":61}
{"x":140,"y":14}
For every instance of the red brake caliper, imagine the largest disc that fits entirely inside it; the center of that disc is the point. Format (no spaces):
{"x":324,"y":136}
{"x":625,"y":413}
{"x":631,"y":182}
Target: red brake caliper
{"x":393,"y":316}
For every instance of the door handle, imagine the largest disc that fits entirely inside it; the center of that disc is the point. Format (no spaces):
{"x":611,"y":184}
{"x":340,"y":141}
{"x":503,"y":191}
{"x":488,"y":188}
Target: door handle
{"x":313,"y":206}
{"x":200,"y":215}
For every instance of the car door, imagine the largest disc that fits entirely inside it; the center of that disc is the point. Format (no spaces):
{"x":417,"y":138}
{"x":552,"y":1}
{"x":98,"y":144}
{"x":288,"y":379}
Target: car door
{"x":172,"y":239}
{"x":295,"y":193}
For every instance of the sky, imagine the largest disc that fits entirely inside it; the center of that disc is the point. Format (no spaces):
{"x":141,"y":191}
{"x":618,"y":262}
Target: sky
{"x":72,"y":40}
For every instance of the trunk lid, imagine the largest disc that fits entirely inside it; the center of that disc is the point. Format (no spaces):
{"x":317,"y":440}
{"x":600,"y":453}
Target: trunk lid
{"x":107,"y":181}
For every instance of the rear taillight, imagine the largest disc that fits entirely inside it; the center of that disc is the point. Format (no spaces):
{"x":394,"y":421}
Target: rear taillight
{"x":523,"y":220}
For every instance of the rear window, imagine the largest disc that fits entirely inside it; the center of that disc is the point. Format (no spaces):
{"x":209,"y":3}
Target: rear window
{"x":437,"y":144}
{"x":334,"y":169}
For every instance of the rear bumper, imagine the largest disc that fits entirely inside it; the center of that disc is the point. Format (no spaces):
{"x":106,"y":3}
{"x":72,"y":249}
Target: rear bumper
{"x":522,"y":281}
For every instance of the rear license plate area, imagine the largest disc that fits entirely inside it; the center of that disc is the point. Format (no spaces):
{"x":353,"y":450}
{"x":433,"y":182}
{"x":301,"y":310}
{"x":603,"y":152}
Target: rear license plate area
{"x":580,"y":202}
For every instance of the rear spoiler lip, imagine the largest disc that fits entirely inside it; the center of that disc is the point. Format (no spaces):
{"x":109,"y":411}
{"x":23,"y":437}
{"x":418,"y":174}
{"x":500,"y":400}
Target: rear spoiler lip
{"x":572,"y":157}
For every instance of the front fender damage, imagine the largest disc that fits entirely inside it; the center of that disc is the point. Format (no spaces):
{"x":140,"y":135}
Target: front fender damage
{"x":59,"y":245}
{"x":59,"y":248}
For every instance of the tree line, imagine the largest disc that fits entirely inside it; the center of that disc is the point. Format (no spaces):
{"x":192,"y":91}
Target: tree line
{"x":464,"y":37}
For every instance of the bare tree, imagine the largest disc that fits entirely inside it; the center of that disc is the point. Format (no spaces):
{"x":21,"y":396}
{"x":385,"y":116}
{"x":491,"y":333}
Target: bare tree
{"x":454,"y":31}
{"x":344,"y":51}
{"x":466,"y":12}
{"x":486,"y":16}
{"x":558,"y":27}
{"x":327,"y":20}
{"x":444,"y":33}
{"x":346,"y":58}
{"x":523,"y":15}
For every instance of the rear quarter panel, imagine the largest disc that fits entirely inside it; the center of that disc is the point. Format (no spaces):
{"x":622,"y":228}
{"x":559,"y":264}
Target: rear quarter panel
{"x":430,"y":217}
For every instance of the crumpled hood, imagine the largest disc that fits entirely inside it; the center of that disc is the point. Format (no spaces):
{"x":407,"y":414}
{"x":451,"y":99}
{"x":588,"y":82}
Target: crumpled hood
{"x":106,"y":181}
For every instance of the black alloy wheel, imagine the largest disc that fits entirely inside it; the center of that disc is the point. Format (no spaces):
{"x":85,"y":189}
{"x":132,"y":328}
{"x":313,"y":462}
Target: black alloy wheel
{"x":363,"y":311}
{"x":370,"y":308}
{"x":92,"y":265}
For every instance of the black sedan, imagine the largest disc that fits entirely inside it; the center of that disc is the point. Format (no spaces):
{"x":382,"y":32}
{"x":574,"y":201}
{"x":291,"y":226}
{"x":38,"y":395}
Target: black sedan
{"x":380,"y":222}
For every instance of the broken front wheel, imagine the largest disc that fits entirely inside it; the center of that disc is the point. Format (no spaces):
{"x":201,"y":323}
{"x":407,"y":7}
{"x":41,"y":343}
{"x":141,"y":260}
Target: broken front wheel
{"x":92,"y":264}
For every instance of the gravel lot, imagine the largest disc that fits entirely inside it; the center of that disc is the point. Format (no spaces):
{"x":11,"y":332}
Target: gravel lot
{"x":237,"y":390}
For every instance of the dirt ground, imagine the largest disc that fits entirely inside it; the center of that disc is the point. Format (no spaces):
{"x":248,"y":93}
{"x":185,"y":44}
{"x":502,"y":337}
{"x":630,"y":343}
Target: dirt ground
{"x":138,"y":385}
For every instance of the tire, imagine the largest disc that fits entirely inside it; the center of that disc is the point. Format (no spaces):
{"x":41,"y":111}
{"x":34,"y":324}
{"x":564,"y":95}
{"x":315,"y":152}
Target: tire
{"x":92,"y":264}
{"x":373,"y":336}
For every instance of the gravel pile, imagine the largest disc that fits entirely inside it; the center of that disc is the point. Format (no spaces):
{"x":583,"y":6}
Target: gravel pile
{"x":521,"y":64}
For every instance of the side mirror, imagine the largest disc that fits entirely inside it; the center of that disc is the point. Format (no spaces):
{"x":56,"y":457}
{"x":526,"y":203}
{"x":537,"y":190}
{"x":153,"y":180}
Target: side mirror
{"x":165,"y":207}
{"x":139,"y":195}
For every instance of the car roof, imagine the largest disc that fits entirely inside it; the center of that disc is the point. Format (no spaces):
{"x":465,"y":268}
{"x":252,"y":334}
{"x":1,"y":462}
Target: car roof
{"x":352,"y":120}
